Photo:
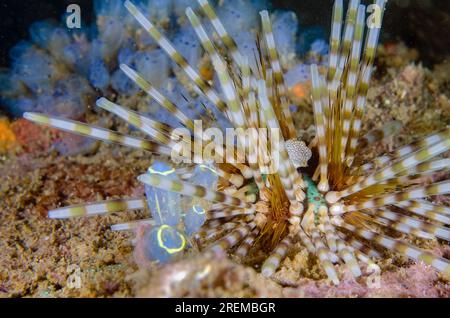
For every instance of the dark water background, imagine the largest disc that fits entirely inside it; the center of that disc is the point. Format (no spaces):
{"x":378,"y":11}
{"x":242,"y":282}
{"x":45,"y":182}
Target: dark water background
{"x":422,"y":24}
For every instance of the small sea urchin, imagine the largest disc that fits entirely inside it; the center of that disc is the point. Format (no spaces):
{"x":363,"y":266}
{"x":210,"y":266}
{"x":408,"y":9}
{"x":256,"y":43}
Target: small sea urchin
{"x":343,"y":211}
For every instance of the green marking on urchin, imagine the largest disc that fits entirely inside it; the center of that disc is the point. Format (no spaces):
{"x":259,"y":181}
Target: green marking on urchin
{"x":314,"y":197}
{"x":253,"y":189}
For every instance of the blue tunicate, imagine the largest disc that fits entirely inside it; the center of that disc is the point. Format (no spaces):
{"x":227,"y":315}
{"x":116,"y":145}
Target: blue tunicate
{"x":96,"y":50}
{"x":194,"y":219}
{"x":159,"y":10}
{"x":239,"y":15}
{"x":285,"y":28}
{"x":74,"y":84}
{"x":77,"y":55}
{"x":318,"y":52}
{"x":113,"y":22}
{"x":145,"y":40}
{"x":10,"y":85}
{"x":246,"y":42}
{"x":35,"y":68}
{"x":319,"y":47}
{"x":108,"y":7}
{"x":105,"y":9}
{"x":205,"y":175}
{"x":163,"y":243}
{"x":46,"y":35}
{"x":126,"y":55}
{"x":68,"y":106}
{"x":153,"y":66}
{"x":58,"y":41}
{"x":165,"y":206}
{"x":99,"y":74}
{"x":186,"y":42}
{"x":70,"y":96}
{"x":66,"y":99}
{"x":42,"y":101}
{"x":122,"y":84}
{"x":63,"y":105}
{"x":112,"y":35}
{"x":41,"y":33}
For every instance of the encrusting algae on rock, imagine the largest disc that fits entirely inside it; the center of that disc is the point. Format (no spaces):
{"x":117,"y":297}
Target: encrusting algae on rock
{"x":7,"y":136}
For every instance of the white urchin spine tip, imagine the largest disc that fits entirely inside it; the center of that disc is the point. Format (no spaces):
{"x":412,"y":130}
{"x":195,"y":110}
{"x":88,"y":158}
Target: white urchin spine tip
{"x":332,"y":197}
{"x":337,"y":209}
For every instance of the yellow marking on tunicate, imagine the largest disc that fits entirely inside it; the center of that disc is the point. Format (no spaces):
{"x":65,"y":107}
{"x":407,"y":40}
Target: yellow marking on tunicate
{"x":170,"y":250}
{"x":163,"y":173}
{"x":198,"y":209}
{"x":209,"y":168}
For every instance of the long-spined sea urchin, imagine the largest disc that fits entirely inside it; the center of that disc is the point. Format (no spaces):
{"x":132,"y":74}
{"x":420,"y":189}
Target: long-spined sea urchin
{"x":350,"y":210}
